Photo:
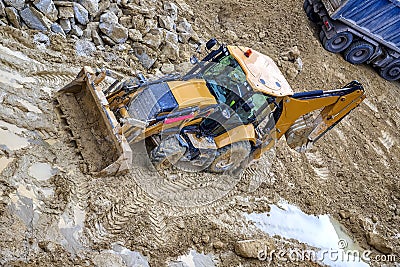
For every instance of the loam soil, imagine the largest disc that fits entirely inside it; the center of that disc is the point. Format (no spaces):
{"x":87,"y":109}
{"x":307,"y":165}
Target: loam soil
{"x":65,"y":217}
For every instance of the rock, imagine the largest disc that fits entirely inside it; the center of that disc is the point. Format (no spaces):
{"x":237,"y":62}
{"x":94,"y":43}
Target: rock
{"x":344,"y":214}
{"x":13,"y":17}
{"x":138,"y":23}
{"x":107,"y":40}
{"x":171,"y":37}
{"x":2,"y":9}
{"x":93,"y":26}
{"x":65,"y":25}
{"x":109,"y":26}
{"x":92,"y":6}
{"x":76,"y":30}
{"x":84,"y":48}
{"x":153,"y":39}
{"x":184,"y":26}
{"x":299,"y":64}
{"x":171,"y":51}
{"x":104,"y":5}
{"x":34,"y":19}
{"x":66,"y":12}
{"x":150,"y":24}
{"x":185,"y":7}
{"x":41,"y":38}
{"x":252,"y":248}
{"x":218,"y":244}
{"x":17,"y":4}
{"x":81,"y":14}
{"x":166,"y":22}
{"x":115,"y":9}
{"x":184,"y":37}
{"x":146,"y":61}
{"x":378,"y":242}
{"x":146,"y":11}
{"x":291,"y":73}
{"x":172,"y":10}
{"x":126,"y":21}
{"x":56,"y":28}
{"x":231,"y":35}
{"x":292,"y":54}
{"x":168,"y":68}
{"x":135,"y":35}
{"x":48,"y":8}
{"x":48,"y":246}
{"x":105,"y":259}
{"x":205,"y":238}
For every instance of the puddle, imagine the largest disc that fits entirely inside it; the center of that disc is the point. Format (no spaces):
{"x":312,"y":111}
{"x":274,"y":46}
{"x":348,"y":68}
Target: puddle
{"x":71,"y":226}
{"x":320,"y":231}
{"x":12,"y":141}
{"x":193,"y":259}
{"x":29,"y":106}
{"x":4,"y":163}
{"x":41,"y":171}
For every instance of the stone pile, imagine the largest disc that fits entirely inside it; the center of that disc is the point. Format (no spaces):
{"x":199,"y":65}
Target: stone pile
{"x":152,"y":30}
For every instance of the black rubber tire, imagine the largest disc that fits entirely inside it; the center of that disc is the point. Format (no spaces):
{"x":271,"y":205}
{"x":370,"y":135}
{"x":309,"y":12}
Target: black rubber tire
{"x":311,"y":15}
{"x":337,"y":43}
{"x":392,"y":71}
{"x":167,"y":153}
{"x":229,"y":158}
{"x":359,"y":52}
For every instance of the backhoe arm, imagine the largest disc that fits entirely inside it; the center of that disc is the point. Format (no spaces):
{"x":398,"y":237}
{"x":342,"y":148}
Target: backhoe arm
{"x":302,"y":129}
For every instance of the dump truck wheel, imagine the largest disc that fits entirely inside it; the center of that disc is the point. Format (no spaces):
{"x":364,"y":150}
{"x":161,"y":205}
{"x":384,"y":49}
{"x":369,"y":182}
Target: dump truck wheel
{"x":229,"y":158}
{"x":391,"y":72}
{"x":337,"y":43}
{"x":308,"y":8}
{"x":167,"y":153}
{"x":358,"y":52}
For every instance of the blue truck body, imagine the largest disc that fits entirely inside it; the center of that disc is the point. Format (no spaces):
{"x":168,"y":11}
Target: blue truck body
{"x":378,"y":19}
{"x":364,"y":30}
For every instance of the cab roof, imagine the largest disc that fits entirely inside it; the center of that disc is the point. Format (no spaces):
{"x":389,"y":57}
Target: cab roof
{"x":261,"y":71}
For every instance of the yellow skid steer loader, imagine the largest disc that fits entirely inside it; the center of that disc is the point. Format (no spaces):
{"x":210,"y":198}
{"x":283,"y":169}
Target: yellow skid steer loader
{"x":226,"y":111}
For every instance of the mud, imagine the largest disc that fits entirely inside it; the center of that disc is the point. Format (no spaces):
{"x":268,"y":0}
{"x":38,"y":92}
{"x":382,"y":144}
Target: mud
{"x":52,"y":214}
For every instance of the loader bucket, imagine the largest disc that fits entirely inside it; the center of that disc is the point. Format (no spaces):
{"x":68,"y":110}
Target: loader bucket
{"x":93,"y":126}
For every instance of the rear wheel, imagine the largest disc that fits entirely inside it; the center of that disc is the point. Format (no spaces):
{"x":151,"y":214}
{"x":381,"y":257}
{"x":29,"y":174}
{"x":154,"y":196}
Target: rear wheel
{"x":392,"y":71}
{"x":229,"y":158}
{"x":308,"y":8}
{"x":359,"y":52}
{"x":167,"y":153}
{"x":337,"y":43}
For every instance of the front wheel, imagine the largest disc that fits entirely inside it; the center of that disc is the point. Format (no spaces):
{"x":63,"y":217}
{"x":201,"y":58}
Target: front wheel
{"x":229,"y":158}
{"x":391,"y":72}
{"x":308,"y":8}
{"x":359,"y":52}
{"x":167,"y":153}
{"x":337,"y":43}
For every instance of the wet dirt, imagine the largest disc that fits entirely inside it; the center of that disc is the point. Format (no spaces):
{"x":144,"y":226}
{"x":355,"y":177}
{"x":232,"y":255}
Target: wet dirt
{"x":62,"y":217}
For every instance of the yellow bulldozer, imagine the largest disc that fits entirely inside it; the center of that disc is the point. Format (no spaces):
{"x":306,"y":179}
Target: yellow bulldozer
{"x":232,"y":106}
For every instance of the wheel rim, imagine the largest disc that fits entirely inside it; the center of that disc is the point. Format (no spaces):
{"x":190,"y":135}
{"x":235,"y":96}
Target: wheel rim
{"x":360,"y":55}
{"x":339,"y":42}
{"x":394,"y":71}
{"x":225,"y":162}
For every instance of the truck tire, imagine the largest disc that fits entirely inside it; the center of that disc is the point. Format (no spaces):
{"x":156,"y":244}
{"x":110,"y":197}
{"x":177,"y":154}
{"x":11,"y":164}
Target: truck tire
{"x":229,"y":158}
{"x":308,"y":8}
{"x":337,"y":43}
{"x":392,"y":71}
{"x":167,"y":153}
{"x":359,"y":52}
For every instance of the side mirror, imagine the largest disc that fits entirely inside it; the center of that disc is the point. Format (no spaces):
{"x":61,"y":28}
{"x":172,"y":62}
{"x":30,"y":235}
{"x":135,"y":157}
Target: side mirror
{"x":211,"y":43}
{"x":194,"y":60}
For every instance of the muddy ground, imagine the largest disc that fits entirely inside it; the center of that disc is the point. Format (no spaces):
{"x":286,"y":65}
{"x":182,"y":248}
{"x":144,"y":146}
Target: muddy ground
{"x":52,"y":214}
